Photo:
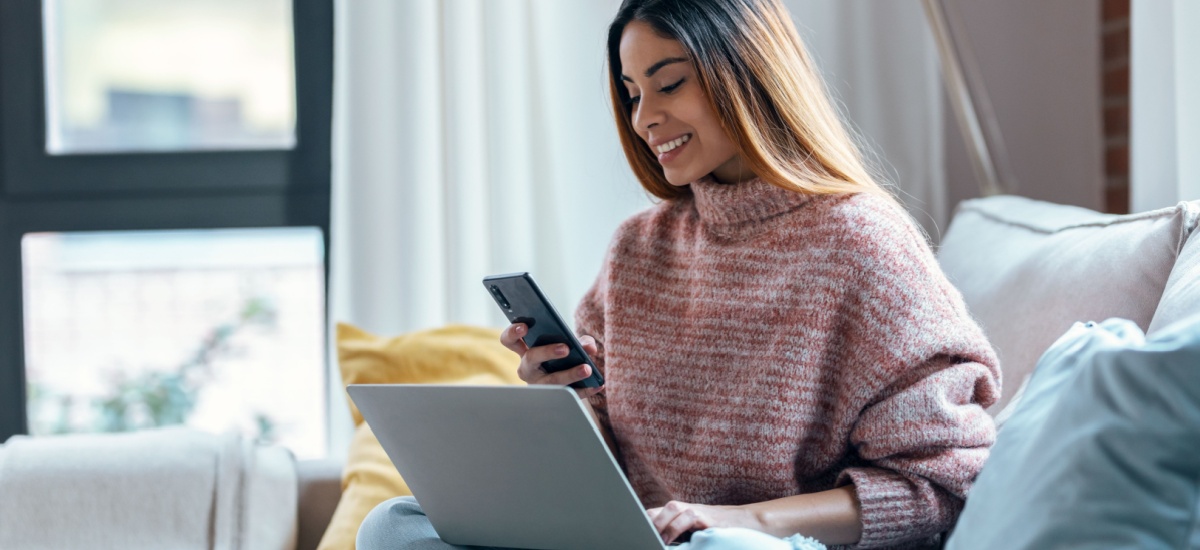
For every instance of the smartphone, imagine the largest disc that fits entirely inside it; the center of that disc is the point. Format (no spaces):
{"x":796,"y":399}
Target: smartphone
{"x":523,"y":302}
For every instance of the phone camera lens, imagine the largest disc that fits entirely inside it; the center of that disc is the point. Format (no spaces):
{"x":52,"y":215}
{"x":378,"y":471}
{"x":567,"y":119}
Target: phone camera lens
{"x":499,"y":297}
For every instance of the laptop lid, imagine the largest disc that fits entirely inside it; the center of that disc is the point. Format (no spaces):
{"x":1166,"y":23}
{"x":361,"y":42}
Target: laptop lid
{"x":509,"y":466}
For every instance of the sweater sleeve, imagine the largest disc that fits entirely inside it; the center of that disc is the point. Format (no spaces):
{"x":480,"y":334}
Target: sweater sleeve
{"x":923,"y":445}
{"x":923,"y":375}
{"x":589,"y":321}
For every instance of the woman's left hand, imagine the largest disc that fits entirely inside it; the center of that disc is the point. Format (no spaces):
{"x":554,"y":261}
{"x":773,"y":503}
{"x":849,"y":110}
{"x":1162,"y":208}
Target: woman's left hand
{"x":677,"y":518}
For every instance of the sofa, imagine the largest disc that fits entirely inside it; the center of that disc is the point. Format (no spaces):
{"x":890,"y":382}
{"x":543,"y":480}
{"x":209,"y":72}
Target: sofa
{"x":1028,"y":270}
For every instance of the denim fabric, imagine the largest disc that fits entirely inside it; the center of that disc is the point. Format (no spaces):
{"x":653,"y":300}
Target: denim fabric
{"x":399,"y":523}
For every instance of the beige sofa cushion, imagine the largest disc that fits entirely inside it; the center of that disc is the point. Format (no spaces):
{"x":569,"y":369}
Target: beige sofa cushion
{"x":1181,"y":298}
{"x":1029,"y":269}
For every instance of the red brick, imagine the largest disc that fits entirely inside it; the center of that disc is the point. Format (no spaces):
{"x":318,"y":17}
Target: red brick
{"x":1116,"y":200}
{"x":1116,"y":44}
{"x":1116,"y":121}
{"x":1116,"y":82}
{"x":1115,"y":9}
{"x":1116,"y":160}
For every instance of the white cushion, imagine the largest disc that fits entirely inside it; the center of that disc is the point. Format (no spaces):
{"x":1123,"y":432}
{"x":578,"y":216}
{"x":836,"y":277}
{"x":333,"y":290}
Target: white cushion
{"x":1181,"y":297}
{"x":164,"y":488}
{"x":1101,"y":451}
{"x":1029,"y":269}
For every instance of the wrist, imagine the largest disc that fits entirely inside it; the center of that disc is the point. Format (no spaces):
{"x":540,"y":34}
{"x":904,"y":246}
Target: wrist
{"x":753,"y":516}
{"x":831,"y":517}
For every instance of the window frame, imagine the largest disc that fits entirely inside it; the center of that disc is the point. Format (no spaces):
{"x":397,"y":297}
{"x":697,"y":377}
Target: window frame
{"x":40,"y":192}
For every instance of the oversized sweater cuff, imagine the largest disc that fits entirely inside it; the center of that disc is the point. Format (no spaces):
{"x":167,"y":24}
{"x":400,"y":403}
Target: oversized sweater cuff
{"x":893,"y":513}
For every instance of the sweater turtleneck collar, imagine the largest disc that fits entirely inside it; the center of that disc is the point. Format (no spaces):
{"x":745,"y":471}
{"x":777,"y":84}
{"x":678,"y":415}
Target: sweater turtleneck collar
{"x":735,"y":207}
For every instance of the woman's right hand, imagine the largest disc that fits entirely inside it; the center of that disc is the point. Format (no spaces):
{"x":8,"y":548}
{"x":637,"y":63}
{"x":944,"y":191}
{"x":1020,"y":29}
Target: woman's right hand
{"x":532,"y":358}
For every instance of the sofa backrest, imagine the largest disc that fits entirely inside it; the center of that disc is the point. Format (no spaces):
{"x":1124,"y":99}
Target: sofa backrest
{"x":1181,"y":297}
{"x":1029,"y":269}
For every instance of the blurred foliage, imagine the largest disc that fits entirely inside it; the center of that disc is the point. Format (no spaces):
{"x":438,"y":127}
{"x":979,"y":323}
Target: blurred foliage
{"x":168,"y":396}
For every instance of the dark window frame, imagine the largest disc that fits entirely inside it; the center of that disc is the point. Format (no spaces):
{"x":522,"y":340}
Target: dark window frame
{"x":145,"y":191}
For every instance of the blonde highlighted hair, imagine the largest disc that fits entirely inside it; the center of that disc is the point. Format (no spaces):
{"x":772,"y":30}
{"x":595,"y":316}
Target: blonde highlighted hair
{"x":764,"y":88}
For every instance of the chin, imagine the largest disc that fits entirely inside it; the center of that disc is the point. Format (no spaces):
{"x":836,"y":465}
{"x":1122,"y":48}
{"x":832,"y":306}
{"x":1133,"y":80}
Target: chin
{"x":679,"y":179}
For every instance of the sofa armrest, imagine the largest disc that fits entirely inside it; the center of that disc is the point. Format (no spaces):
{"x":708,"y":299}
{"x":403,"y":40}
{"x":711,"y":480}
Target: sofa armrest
{"x":319,"y":484}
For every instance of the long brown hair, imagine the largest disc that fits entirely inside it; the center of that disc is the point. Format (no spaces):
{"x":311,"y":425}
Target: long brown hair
{"x":763,"y":86}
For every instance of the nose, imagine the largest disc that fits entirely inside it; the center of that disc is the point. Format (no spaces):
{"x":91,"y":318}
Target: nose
{"x":647,"y":114}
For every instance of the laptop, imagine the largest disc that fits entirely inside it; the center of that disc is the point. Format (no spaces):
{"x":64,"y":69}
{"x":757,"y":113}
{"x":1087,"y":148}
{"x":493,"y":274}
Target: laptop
{"x":507,"y":466}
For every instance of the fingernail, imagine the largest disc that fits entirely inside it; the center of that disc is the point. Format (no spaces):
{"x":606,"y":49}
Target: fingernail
{"x":561,"y":350}
{"x":520,"y":329}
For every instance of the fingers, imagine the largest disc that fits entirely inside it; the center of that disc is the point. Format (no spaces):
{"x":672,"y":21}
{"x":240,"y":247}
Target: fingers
{"x":562,"y":377}
{"x":585,"y":393}
{"x":531,"y":371}
{"x":511,"y":338}
{"x":589,"y":345}
{"x":675,"y":519}
{"x":531,"y":361}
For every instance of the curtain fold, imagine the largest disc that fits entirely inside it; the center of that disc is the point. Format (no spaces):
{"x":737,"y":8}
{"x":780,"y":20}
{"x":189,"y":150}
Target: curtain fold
{"x":472,"y":137}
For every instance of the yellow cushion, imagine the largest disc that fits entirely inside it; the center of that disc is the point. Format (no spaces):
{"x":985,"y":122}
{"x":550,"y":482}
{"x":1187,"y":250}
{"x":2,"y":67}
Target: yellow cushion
{"x":455,"y":354}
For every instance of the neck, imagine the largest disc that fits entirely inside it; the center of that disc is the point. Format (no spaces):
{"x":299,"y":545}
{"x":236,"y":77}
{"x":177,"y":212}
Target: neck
{"x":736,"y":170}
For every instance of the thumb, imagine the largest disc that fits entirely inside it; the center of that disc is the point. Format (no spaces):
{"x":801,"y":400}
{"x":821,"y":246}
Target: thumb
{"x":589,"y":344}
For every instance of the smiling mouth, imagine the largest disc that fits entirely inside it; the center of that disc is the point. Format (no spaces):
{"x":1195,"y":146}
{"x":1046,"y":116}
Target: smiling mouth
{"x":671,"y":145}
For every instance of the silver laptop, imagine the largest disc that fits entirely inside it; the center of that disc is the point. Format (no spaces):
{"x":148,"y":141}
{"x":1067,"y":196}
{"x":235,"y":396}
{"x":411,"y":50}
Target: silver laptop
{"x":507,"y":466}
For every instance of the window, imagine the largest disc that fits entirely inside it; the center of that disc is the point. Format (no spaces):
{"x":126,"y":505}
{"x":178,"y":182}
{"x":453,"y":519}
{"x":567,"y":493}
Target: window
{"x":219,"y":329}
{"x":165,"y":224}
{"x":132,"y":75}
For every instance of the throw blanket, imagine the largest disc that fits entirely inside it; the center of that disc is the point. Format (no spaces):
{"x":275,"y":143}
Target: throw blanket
{"x":171,"y":488}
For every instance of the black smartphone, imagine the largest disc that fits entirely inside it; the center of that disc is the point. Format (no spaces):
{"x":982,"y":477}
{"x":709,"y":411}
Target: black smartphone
{"x":523,"y":302}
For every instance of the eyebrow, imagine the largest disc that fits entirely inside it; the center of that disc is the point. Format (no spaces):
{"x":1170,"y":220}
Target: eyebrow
{"x":655,"y":67}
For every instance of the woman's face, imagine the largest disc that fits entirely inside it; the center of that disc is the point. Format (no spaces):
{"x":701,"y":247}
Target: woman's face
{"x":670,"y":111}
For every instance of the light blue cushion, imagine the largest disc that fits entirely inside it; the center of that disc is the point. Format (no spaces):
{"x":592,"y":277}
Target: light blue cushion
{"x":1102,"y":452}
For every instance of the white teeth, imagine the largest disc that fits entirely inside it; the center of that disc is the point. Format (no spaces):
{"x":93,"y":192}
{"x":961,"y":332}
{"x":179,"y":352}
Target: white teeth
{"x":670,"y":145}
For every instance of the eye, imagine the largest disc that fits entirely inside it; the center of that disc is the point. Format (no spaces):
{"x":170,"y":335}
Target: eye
{"x":632,"y":100}
{"x":672,"y":87}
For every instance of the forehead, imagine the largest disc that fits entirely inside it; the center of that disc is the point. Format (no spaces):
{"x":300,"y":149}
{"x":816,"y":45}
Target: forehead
{"x":642,"y":46}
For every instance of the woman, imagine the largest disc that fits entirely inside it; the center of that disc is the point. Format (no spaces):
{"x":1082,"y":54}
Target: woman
{"x":782,"y":352}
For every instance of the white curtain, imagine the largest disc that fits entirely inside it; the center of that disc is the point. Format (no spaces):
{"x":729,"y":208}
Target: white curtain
{"x":474,"y":137}
{"x":880,"y":61}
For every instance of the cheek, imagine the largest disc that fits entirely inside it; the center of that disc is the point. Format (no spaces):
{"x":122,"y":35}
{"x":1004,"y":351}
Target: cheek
{"x":714,"y":141}
{"x":708,"y":126}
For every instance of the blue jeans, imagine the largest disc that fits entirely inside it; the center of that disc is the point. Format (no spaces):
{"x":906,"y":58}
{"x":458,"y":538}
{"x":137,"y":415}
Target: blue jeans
{"x":398,"y":524}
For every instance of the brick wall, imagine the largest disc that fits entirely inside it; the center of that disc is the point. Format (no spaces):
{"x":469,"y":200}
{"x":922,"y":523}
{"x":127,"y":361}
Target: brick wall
{"x":1114,"y":30}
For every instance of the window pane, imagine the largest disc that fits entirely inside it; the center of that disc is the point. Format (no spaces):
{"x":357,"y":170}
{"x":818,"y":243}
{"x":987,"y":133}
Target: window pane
{"x":151,"y":75}
{"x":214,"y":329}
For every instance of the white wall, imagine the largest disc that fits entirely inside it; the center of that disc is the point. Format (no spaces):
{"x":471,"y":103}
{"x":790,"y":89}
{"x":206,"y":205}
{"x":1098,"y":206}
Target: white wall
{"x":1164,"y":113}
{"x":1040,"y":62}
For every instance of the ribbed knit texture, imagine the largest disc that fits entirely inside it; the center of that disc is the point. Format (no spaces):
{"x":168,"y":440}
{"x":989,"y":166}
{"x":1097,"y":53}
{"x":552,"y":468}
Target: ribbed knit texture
{"x":760,"y":343}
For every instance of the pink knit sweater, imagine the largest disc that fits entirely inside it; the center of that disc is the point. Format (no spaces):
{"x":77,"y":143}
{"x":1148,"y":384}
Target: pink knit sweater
{"x":760,"y":343}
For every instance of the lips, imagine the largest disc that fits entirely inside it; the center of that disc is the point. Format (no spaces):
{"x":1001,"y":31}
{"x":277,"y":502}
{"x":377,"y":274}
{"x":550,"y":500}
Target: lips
{"x":670,"y":145}
{"x":668,"y":150}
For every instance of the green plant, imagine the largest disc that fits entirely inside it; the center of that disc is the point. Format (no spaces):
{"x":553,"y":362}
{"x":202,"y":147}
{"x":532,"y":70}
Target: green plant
{"x":163,"y":398}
